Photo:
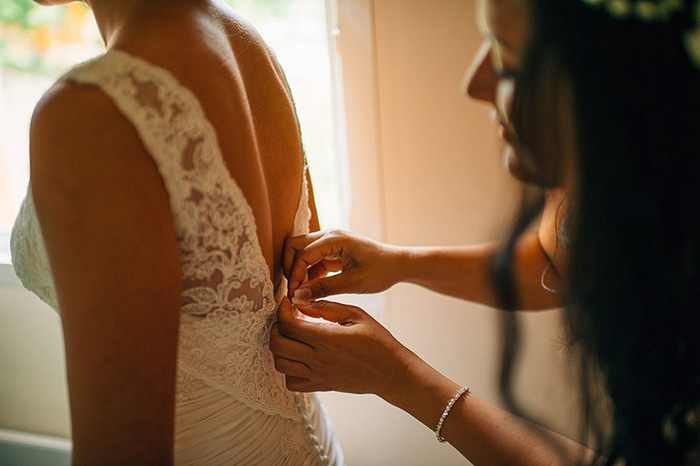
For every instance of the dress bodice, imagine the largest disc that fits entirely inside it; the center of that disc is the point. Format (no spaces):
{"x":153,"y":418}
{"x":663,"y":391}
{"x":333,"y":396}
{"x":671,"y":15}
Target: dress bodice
{"x":228,"y":298}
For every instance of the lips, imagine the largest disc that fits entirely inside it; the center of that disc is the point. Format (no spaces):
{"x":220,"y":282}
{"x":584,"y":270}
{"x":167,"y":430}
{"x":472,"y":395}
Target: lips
{"x":506,"y":134}
{"x":503,"y":128}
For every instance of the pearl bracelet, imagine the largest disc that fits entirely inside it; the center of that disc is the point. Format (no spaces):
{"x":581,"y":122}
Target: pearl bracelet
{"x":454,"y":399}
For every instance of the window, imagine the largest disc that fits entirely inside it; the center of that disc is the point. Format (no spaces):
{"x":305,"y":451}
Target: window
{"x":38,"y":44}
{"x":297,"y":30}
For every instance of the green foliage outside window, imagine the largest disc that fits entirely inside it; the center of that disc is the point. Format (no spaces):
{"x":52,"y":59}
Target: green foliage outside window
{"x":27,"y":15}
{"x":20,"y":19}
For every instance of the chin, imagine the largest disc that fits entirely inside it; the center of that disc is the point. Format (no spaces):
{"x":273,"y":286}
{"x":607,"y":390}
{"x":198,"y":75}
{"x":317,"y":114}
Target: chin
{"x":520,"y":171}
{"x":53,"y":2}
{"x":512,"y":163}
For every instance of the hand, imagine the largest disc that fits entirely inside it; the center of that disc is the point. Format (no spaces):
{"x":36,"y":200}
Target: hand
{"x":348,"y":351}
{"x":366,"y":266}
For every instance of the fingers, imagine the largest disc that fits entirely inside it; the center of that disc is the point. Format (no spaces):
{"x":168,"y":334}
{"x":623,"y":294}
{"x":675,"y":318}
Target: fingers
{"x":291,"y":324}
{"x":288,"y":325}
{"x":294,"y":244}
{"x":284,"y":347}
{"x":321,"y":269}
{"x":325,"y":248}
{"x":292,"y":368}
{"x":301,"y":384}
{"x":344,"y":282}
{"x":335,"y":312}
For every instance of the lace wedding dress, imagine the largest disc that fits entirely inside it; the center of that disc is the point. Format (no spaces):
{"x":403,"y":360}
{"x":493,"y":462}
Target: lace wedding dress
{"x":232,"y":406}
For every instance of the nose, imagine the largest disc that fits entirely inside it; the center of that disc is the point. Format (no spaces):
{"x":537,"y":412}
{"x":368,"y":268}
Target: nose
{"x":479,"y":81}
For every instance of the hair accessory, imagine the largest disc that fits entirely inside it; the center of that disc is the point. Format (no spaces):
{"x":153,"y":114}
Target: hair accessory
{"x":649,"y":11}
{"x":449,"y":406}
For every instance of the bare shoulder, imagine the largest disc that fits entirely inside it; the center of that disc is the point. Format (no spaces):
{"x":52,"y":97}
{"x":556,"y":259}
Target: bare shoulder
{"x":238,"y":26}
{"x":65,"y":108}
{"x":79,"y":138}
{"x":67,"y":102}
{"x":90,"y":172}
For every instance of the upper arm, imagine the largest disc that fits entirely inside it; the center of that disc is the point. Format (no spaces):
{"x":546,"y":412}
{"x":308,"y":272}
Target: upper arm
{"x":106,"y":223}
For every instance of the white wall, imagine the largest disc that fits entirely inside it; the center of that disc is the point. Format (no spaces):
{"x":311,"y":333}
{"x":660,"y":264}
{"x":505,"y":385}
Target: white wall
{"x":431,"y":160}
{"x":33,"y":394}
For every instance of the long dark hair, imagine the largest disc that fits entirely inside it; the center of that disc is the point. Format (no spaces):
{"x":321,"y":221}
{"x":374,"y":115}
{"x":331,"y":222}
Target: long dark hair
{"x":631,"y":165}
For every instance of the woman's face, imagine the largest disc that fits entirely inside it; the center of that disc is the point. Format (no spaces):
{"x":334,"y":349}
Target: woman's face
{"x":491,"y":77}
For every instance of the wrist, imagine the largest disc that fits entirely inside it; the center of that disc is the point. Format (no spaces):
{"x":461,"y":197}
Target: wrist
{"x":401,"y":260}
{"x":394,"y":377}
{"x":419,"y":389}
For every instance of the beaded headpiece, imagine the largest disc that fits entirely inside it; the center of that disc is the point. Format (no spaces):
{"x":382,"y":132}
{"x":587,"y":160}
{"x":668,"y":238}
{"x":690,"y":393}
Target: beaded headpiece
{"x":659,"y":11}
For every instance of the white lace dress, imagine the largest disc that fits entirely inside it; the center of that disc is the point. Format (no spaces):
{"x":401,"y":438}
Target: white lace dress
{"x":232,"y":406}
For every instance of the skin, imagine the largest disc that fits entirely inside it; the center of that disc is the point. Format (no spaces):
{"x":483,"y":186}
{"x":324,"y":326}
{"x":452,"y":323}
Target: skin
{"x":107,"y":223}
{"x":464,"y":272}
{"x":349,"y":351}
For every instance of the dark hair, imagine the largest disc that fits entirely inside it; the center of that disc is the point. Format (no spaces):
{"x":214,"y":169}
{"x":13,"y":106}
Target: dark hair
{"x":632,"y":292}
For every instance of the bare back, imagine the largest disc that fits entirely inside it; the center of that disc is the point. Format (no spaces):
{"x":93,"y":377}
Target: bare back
{"x":244,"y":95}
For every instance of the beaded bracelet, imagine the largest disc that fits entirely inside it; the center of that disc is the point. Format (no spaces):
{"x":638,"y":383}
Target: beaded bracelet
{"x":454,"y":399}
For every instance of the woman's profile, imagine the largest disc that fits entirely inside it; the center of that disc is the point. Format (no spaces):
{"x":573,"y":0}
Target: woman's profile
{"x":165,"y":176}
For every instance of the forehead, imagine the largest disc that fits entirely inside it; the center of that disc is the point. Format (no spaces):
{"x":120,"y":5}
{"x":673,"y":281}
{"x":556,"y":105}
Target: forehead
{"x":505,"y":19}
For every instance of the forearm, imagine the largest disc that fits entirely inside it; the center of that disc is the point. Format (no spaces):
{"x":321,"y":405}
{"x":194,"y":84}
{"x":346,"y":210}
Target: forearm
{"x":466,"y":272}
{"x":463,"y":272}
{"x":482,"y":432}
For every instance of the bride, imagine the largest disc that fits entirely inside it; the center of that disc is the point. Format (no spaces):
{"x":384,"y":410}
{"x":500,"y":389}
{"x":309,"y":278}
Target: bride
{"x":165,"y":176}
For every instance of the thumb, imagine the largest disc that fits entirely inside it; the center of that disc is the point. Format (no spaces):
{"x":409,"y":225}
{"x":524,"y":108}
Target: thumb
{"x":285,"y":310}
{"x":342,"y":314}
{"x":343,"y":282}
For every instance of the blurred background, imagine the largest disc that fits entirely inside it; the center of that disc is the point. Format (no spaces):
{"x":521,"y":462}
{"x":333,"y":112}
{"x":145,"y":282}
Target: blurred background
{"x":396,"y":152}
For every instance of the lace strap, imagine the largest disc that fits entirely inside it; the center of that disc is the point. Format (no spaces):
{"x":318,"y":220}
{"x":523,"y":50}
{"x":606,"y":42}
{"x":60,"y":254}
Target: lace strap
{"x":172,"y":126}
{"x":155,"y":104}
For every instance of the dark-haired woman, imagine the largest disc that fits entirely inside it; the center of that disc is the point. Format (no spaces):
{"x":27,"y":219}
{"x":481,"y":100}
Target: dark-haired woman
{"x":600,"y":103}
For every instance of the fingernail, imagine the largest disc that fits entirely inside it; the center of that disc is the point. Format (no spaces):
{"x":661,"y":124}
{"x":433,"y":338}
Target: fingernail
{"x":300,"y":302}
{"x":302,"y":293}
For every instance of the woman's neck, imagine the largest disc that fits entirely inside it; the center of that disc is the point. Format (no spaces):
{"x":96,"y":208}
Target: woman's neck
{"x":111,"y":15}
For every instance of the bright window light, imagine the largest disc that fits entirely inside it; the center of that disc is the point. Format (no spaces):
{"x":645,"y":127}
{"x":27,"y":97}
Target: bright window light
{"x":38,"y":44}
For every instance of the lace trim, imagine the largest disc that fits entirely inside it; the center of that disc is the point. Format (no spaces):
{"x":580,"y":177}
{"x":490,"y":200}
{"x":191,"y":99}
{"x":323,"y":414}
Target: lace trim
{"x":29,"y":257}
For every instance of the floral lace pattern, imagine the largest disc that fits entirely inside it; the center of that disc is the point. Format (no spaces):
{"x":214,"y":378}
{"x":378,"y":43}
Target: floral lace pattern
{"x":29,"y":254}
{"x":228,"y":300}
